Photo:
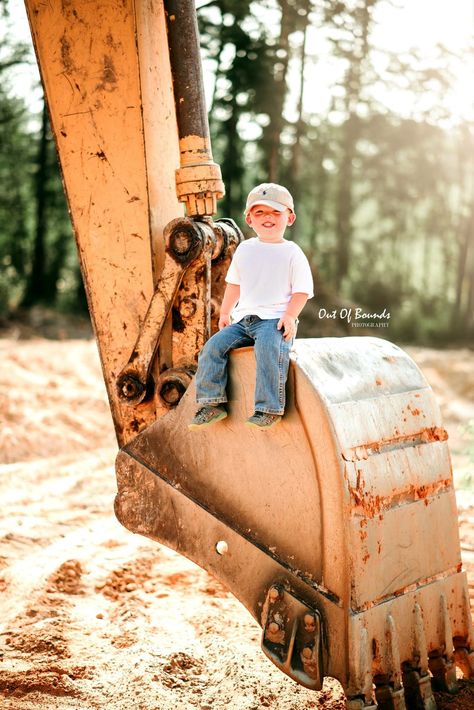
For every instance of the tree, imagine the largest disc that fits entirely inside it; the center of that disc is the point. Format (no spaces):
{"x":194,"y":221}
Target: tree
{"x":352,"y":24}
{"x":242,"y":76}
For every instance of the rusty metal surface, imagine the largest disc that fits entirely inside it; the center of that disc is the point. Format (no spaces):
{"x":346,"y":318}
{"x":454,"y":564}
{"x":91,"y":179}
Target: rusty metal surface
{"x":159,"y":125}
{"x":185,"y":243}
{"x":158,"y":508}
{"x":88,"y":58}
{"x":352,"y":530}
{"x":192,"y":309}
{"x":231,"y":236}
{"x":182,"y":301}
{"x":203,"y":286}
{"x":292,"y":637}
{"x":416,"y":629}
{"x":400,"y":515}
{"x":283,"y":461}
{"x":358,"y":368}
{"x":138,"y":367}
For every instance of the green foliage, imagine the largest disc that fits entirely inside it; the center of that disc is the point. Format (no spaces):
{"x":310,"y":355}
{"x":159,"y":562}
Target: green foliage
{"x":30,"y":187}
{"x":15,"y":206}
{"x":385,"y":197}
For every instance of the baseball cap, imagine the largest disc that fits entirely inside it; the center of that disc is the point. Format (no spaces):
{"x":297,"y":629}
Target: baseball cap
{"x":271,"y":195}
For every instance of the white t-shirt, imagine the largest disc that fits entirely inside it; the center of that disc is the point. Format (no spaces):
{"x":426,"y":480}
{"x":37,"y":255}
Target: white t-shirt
{"x":268,"y":275}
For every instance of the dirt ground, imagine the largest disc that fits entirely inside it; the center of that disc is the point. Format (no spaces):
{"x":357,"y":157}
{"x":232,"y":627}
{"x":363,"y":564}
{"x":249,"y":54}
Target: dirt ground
{"x":95,"y":617}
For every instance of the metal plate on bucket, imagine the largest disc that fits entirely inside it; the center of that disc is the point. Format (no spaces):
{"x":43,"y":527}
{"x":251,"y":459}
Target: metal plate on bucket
{"x":292,"y":637}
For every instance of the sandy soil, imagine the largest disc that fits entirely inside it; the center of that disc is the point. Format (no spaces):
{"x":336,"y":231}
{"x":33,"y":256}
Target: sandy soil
{"x":94,"y":617}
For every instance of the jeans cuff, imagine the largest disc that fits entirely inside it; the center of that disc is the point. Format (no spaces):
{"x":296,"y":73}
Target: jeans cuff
{"x":211,"y":401}
{"x":280,"y":413}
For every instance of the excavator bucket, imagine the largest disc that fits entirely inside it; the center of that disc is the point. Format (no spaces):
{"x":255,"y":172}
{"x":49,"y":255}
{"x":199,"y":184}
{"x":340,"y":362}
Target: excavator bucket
{"x":337,"y":529}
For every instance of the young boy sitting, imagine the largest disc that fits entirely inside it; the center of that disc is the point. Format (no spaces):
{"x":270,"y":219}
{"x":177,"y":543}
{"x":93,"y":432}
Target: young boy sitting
{"x":268,"y":283}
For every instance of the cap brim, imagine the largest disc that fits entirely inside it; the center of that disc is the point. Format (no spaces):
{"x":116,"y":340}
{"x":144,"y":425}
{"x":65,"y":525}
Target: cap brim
{"x":268,"y":203}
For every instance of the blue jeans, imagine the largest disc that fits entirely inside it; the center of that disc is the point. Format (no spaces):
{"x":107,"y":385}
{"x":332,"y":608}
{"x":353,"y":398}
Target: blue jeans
{"x":272,"y":353}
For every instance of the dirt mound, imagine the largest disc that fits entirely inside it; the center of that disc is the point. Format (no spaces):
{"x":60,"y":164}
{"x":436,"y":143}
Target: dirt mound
{"x":46,"y":682}
{"x":67,"y":578}
{"x":464,"y":700}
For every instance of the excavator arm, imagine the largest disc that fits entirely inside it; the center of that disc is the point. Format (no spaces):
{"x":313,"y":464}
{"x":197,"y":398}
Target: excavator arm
{"x":337,"y":532}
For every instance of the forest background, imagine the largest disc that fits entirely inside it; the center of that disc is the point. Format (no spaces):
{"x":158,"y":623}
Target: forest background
{"x":375,"y":146}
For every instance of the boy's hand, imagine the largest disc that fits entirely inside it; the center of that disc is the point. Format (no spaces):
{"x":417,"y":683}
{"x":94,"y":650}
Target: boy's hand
{"x":224,"y":319}
{"x":288,"y":323}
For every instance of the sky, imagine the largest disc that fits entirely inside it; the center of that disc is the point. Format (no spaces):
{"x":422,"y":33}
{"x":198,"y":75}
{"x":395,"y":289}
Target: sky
{"x":400,"y":26}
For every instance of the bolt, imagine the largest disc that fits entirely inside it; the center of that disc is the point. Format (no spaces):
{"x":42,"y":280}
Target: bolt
{"x":222,"y":547}
{"x":171,"y":392}
{"x":187,"y":307}
{"x":273,"y":594}
{"x":185,"y":241}
{"x":273,"y":627}
{"x":130,"y":387}
{"x":309,"y":622}
{"x":181,"y":242}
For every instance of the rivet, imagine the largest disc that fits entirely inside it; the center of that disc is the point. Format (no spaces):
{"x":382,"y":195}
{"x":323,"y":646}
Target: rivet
{"x":222,"y":548}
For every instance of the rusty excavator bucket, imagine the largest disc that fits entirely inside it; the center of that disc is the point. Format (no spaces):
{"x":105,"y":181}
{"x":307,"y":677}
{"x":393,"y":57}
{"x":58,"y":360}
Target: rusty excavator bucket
{"x":337,"y":530}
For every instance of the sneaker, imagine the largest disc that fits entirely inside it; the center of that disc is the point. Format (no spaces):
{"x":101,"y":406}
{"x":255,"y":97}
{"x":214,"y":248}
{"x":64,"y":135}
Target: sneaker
{"x":263,"y":420}
{"x":206,"y":416}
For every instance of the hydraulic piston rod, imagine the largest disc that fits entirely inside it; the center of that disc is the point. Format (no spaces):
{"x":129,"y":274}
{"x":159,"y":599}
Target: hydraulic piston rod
{"x":198,"y":180}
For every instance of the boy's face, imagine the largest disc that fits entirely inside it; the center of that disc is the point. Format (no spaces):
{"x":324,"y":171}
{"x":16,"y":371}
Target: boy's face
{"x":269,"y":224}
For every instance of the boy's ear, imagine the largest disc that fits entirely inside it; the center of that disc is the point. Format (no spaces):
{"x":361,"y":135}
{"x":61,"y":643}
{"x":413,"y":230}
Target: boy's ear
{"x":291,"y":218}
{"x":248,"y":219}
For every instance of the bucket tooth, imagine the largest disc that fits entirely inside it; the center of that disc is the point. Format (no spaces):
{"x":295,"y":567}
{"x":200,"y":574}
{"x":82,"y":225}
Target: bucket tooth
{"x":463,"y":647}
{"x":387,"y":697}
{"x":464,"y":659}
{"x":441,"y":661}
{"x":360,"y":691}
{"x":420,"y":648}
{"x":444,"y":673}
{"x":359,"y":704}
{"x":389,"y":693}
{"x":415,"y":674}
{"x":447,"y":629}
{"x":418,"y":691}
{"x":466,"y":602}
{"x":393,"y":654}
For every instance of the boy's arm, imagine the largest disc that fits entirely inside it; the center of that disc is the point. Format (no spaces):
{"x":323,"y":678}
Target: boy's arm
{"x":288,"y":319}
{"x":231,"y":296}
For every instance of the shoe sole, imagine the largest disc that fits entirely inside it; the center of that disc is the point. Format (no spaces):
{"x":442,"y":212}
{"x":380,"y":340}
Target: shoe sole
{"x":193,"y":427}
{"x":258,"y":426}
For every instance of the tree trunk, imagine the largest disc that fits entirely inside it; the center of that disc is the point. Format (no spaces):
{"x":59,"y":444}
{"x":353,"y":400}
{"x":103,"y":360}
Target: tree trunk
{"x":460,"y":274}
{"x":232,"y":165}
{"x":294,"y":171}
{"x":320,"y":186}
{"x":468,"y":319}
{"x":36,"y":287}
{"x":350,"y":137}
{"x":276,"y":111}
{"x":465,"y":229}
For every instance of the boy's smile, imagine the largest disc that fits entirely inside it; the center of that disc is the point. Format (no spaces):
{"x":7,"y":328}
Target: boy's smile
{"x":269,"y":224}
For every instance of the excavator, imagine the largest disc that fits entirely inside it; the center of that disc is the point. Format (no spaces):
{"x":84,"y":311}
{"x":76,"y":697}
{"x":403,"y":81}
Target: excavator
{"x":338,"y":530}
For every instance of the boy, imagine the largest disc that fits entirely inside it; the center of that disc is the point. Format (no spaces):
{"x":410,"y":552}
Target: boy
{"x":268,"y":283}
